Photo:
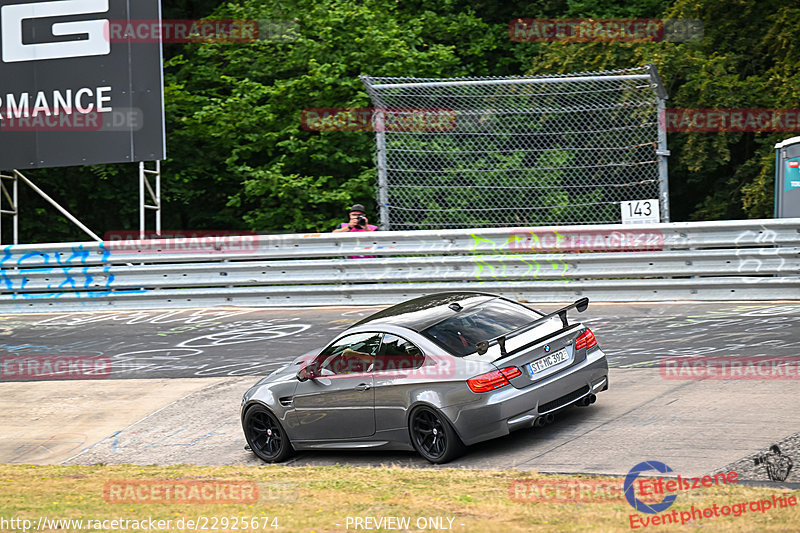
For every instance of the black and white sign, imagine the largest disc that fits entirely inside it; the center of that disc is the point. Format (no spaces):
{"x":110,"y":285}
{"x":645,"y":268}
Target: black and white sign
{"x":640,"y":212}
{"x":72,"y":95}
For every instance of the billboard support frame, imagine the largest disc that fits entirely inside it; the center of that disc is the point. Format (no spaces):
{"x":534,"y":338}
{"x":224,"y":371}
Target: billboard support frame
{"x":19,"y":176}
{"x":153,"y":195}
{"x":13,"y":201}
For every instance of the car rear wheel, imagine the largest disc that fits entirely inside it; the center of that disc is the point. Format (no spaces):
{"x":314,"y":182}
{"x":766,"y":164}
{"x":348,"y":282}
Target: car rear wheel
{"x":265,"y":436}
{"x":433,"y":437}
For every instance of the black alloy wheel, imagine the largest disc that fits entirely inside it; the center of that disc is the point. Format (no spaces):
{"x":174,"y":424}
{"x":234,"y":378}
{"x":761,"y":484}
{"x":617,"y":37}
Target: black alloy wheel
{"x":265,"y":436}
{"x":433,"y":437}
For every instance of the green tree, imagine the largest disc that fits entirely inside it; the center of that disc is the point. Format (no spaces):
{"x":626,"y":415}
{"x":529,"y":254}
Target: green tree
{"x":244,"y":130}
{"x":744,"y":60}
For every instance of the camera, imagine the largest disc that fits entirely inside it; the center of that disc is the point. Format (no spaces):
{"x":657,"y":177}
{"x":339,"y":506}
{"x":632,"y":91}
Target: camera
{"x":776,"y":464}
{"x":361,"y":222}
{"x":763,"y":458}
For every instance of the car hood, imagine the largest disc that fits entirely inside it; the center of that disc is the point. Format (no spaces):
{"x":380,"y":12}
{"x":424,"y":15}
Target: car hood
{"x":288,"y":370}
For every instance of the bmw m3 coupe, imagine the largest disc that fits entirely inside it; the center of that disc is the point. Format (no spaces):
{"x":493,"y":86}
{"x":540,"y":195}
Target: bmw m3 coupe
{"x":434,"y":374}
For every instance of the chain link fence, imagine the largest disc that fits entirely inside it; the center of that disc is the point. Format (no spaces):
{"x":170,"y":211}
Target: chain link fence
{"x":484,"y":152}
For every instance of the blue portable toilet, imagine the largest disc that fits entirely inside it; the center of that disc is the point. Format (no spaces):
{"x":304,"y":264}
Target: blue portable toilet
{"x":787,"y":178}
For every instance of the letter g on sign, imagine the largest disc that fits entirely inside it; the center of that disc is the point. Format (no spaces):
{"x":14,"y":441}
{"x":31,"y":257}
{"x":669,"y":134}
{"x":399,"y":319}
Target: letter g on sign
{"x":12,"y":16}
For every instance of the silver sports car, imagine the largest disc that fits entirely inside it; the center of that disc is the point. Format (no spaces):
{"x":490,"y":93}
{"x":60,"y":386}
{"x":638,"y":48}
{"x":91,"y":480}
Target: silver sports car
{"x":433,"y":374}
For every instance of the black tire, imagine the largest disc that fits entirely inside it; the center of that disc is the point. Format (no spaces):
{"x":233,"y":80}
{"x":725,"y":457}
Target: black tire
{"x":433,"y":437}
{"x":265,"y":435}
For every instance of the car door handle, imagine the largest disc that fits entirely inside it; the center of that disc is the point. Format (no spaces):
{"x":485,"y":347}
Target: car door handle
{"x":363,"y":386}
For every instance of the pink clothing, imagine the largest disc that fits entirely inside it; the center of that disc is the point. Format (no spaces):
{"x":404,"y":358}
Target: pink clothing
{"x":370,"y":228}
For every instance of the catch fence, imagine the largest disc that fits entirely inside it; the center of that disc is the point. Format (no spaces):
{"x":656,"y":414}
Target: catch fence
{"x":521,"y":151}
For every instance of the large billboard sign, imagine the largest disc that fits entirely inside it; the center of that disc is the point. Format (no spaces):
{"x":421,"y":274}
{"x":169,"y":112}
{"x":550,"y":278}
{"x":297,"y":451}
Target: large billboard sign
{"x":72,"y":93}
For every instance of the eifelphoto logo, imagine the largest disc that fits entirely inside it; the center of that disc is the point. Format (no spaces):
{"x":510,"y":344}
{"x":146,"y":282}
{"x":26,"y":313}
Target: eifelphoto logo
{"x":180,"y":492}
{"x":759,"y":368}
{"x":181,"y":242}
{"x":25,"y":368}
{"x":630,"y":495}
{"x":586,"y":241}
{"x":733,"y":120}
{"x":668,"y":487}
{"x":657,"y":515}
{"x":605,"y":30}
{"x":377,"y":119}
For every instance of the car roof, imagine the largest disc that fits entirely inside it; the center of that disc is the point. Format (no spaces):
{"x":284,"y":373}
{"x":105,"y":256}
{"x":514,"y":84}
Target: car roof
{"x":421,"y":313}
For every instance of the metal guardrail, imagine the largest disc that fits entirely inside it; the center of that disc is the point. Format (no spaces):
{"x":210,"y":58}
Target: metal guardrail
{"x":730,"y":260}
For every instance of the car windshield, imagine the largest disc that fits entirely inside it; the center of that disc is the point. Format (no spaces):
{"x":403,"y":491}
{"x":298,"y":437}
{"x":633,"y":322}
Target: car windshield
{"x":462,"y":331}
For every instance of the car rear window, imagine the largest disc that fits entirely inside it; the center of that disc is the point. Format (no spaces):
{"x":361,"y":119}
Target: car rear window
{"x":459,"y":333}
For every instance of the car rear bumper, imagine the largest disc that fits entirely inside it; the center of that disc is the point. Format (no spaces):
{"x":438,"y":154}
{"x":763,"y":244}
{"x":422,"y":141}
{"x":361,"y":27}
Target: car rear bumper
{"x":499,"y":412}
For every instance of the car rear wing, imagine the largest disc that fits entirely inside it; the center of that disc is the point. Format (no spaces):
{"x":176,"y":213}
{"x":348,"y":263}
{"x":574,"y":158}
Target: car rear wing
{"x":579,"y":305}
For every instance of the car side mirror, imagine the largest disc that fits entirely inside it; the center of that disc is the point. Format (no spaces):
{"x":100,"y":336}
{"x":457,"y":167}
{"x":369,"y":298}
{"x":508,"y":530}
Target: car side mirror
{"x":305,"y":373}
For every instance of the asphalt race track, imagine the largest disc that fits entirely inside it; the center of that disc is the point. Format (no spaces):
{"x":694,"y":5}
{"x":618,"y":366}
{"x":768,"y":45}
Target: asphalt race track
{"x":177,"y":377}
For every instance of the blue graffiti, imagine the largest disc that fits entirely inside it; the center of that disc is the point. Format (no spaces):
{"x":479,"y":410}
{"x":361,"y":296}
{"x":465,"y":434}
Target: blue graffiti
{"x":71,"y":275}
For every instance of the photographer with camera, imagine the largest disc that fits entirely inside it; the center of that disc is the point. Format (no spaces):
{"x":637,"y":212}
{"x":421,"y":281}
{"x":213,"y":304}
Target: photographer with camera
{"x":358,"y":221}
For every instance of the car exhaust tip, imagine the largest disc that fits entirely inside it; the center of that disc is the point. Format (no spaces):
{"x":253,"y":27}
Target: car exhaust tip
{"x":549,"y":418}
{"x":592,"y":398}
{"x":539,"y":422}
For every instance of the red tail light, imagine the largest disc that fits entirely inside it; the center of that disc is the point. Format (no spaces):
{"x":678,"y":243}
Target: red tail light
{"x":511,"y":372}
{"x":493,"y":380}
{"x":585,"y":340}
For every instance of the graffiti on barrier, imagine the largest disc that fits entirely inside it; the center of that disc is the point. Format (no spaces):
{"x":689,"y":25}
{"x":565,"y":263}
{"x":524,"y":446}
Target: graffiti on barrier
{"x":65,"y":274}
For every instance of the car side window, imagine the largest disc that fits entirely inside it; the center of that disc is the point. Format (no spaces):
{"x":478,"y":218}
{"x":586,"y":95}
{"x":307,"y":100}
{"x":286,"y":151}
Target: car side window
{"x":349,"y":355}
{"x":396,"y":353}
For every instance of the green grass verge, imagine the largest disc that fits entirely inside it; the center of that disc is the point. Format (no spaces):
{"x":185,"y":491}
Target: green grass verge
{"x":331,"y":498}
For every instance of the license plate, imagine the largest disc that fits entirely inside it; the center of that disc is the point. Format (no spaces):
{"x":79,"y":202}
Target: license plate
{"x":547,"y":361}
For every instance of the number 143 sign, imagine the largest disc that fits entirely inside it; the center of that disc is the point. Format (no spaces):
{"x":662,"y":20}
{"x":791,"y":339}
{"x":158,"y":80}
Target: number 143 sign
{"x":640,"y":212}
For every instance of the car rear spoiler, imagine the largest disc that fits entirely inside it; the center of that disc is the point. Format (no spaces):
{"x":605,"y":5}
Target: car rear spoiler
{"x":580,"y":305}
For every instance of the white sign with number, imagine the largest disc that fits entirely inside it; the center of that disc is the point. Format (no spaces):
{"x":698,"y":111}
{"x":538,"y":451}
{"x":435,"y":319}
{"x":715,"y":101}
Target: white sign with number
{"x":640,"y":212}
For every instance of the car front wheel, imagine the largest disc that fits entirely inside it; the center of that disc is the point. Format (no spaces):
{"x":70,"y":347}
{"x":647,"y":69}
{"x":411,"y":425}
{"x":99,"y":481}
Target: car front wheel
{"x":433,"y":437}
{"x":265,"y":436}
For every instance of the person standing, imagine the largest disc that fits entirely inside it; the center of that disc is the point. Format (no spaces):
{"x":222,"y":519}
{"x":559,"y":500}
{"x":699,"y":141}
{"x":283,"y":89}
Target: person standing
{"x":358,"y":221}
